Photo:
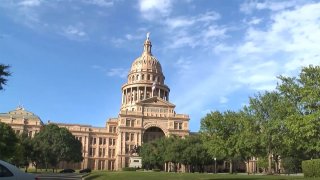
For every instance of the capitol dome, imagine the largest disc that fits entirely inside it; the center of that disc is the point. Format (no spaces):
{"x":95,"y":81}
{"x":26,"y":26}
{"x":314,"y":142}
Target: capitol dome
{"x":145,"y":80}
{"x":146,"y":62}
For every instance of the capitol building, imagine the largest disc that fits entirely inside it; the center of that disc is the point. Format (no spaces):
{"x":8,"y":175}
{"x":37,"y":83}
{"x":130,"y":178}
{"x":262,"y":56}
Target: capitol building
{"x":145,"y":114}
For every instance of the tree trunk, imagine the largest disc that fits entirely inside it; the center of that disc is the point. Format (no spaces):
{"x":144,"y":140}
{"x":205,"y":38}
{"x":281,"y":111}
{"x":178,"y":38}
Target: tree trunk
{"x":269,"y":163}
{"x":231,"y":167}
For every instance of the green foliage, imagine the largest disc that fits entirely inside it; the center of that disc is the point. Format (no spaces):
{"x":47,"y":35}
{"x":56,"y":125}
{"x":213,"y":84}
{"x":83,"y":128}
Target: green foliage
{"x":291,"y":165}
{"x":263,"y":163}
{"x":8,"y":142}
{"x":156,"y":170}
{"x":188,"y":151}
{"x":303,"y":123}
{"x":311,"y":168}
{"x":129,"y":169}
{"x":55,"y":145}
{"x":230,"y":135}
{"x":4,"y":73}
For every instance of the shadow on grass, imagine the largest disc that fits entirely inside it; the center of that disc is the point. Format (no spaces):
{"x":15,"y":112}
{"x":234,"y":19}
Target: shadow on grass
{"x":93,"y":177}
{"x":242,"y":178}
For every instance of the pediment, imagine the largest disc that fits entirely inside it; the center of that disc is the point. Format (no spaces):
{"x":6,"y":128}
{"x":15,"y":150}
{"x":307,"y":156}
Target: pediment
{"x":155,"y":101}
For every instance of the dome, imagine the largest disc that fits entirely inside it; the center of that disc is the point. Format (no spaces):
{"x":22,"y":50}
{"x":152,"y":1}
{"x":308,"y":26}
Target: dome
{"x":146,"y":62}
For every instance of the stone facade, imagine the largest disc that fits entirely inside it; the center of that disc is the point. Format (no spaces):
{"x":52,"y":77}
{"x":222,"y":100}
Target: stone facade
{"x":145,"y":114}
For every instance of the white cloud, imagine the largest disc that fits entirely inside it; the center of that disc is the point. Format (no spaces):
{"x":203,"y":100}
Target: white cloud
{"x":113,"y":72}
{"x":253,"y":21}
{"x":252,"y":5}
{"x":193,"y":31}
{"x":29,"y":3}
{"x":152,"y":9}
{"x":74,"y":32}
{"x":223,"y":100}
{"x":183,"y":65}
{"x":119,"y":72}
{"x":289,"y":41}
{"x":101,"y":3}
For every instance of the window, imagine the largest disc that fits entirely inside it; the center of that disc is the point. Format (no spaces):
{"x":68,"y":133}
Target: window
{"x":178,"y":125}
{"x":111,"y":152}
{"x":127,"y":136}
{"x":112,"y":142}
{"x":112,"y":129}
{"x":100,"y":141}
{"x":104,"y":141}
{"x":100,"y":152}
{"x":4,"y":172}
{"x":131,"y":137}
{"x":128,"y":122}
{"x":92,"y":152}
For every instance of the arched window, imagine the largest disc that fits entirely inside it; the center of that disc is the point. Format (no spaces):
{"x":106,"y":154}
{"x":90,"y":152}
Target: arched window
{"x":148,"y":77}
{"x":142,"y":76}
{"x":137,"y":77}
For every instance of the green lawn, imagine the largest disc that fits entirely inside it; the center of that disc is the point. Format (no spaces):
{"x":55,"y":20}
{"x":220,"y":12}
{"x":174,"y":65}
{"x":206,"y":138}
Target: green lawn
{"x":182,"y":176}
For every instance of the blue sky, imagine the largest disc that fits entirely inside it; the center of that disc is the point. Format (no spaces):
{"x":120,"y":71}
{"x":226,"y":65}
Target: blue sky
{"x":69,"y":58}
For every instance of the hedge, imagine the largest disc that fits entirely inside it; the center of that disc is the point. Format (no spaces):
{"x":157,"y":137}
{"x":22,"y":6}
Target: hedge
{"x":311,"y":168}
{"x":129,"y":169}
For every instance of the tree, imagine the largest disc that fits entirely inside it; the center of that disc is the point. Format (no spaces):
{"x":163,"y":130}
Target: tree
{"x":303,"y":93}
{"x":23,"y":151}
{"x":8,"y":141}
{"x":194,"y":154}
{"x":220,"y":134}
{"x":4,"y":73}
{"x":56,"y":145}
{"x":270,"y":114}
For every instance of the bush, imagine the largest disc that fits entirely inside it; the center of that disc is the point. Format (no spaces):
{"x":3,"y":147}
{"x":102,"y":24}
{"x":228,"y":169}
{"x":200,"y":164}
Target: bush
{"x":291,"y":165}
{"x":156,"y":170}
{"x":311,"y":168}
{"x":129,"y":169}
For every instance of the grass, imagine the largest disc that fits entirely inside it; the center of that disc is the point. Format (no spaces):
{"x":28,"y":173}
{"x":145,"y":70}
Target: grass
{"x":183,"y":176}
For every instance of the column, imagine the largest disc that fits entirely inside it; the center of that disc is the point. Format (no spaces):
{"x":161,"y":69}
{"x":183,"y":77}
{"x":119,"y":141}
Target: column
{"x":126,"y":96}
{"x":145,"y":92}
{"x":139,"y":93}
{"x":122,"y":97}
{"x":131,"y":95}
{"x":159,"y":92}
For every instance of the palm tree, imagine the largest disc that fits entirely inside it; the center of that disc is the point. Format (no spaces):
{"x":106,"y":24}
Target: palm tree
{"x":3,"y":74}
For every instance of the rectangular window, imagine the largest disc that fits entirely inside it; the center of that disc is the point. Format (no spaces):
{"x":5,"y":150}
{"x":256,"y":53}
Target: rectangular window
{"x":104,"y":141}
{"x":132,"y":123}
{"x":100,"y":152}
{"x":131,"y":137}
{"x":127,"y":136}
{"x":94,"y":141}
{"x":100,"y":141}
{"x":112,"y":142}
{"x":128,"y":121}
{"x":178,"y":125}
{"x":109,"y":153}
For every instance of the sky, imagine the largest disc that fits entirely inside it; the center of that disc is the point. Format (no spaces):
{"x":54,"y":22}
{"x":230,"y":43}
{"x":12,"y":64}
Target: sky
{"x":69,"y":58}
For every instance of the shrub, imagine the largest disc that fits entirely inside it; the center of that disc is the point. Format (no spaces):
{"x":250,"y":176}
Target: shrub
{"x":311,"y":168}
{"x":129,"y":169}
{"x":291,"y":165}
{"x":156,"y":170}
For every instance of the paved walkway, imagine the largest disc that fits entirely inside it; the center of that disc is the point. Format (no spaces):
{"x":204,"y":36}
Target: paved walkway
{"x":63,"y":176}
